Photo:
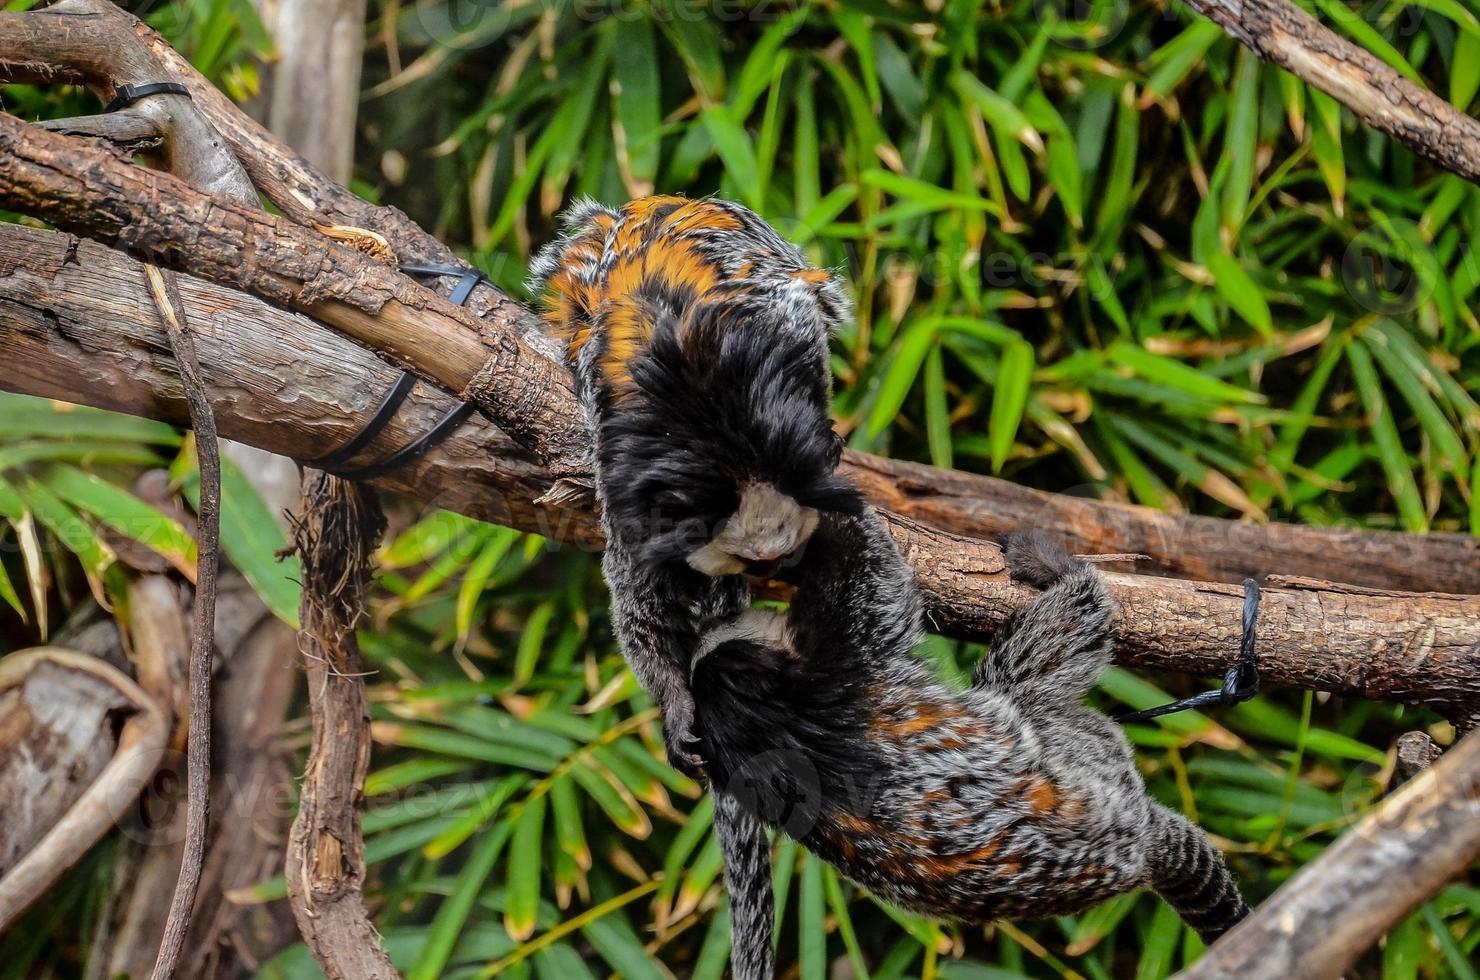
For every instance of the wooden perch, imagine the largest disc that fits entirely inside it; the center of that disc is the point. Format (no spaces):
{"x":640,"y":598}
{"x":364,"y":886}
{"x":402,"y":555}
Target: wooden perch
{"x":1318,"y":924}
{"x":103,"y":46}
{"x":79,"y":327}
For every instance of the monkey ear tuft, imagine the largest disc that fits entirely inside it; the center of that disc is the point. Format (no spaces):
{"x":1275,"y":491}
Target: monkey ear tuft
{"x":836,"y":495}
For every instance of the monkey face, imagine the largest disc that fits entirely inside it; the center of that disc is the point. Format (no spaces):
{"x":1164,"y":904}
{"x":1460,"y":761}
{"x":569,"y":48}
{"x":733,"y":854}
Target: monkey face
{"x":767,"y":528}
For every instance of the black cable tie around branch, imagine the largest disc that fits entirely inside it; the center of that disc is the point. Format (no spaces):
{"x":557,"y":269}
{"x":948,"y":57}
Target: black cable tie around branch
{"x":126,"y":95}
{"x":467,"y":281}
{"x":1240,"y":683}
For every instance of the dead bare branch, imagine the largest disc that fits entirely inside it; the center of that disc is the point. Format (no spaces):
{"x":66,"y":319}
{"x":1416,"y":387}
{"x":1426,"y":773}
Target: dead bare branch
{"x":103,"y":44}
{"x":165,"y":292}
{"x":140,"y":745}
{"x":1318,"y":924}
{"x":1281,"y":32}
{"x":340,"y":526}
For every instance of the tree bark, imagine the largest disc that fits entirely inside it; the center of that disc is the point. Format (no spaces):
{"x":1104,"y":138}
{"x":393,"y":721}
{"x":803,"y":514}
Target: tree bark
{"x":101,"y":42}
{"x":340,"y":525}
{"x":1282,"y":33}
{"x":293,"y":386}
{"x":530,"y":396}
{"x":1318,"y":924}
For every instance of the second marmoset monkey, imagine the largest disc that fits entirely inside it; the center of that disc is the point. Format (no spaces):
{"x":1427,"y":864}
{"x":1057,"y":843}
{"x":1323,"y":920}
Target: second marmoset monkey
{"x":698,"y":339}
{"x":1009,"y":799}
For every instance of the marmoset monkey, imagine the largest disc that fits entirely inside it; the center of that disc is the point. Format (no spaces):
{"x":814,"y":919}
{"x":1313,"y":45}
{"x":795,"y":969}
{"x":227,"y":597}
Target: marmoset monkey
{"x":1008,"y":799}
{"x":699,"y":343}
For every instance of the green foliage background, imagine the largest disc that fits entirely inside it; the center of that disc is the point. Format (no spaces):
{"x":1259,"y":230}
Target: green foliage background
{"x":1114,"y":255}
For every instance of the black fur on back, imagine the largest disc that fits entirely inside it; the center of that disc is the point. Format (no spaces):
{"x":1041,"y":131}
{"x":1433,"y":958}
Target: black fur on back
{"x":727,"y":392}
{"x":814,"y":754}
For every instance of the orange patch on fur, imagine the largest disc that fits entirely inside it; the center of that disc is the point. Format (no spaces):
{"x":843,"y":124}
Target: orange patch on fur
{"x":1042,"y":796}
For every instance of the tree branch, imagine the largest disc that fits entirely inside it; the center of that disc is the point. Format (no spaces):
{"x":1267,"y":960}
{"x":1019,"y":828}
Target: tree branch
{"x":1281,"y":32}
{"x":102,"y":43}
{"x":293,"y":386}
{"x":1318,"y":924}
{"x":340,"y":525}
{"x":141,"y":742}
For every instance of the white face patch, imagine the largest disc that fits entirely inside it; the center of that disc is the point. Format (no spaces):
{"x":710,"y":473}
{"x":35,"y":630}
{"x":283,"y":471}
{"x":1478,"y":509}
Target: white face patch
{"x":766,"y":627}
{"x":766,"y":526}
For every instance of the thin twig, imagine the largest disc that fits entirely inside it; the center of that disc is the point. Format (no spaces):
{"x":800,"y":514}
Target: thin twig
{"x":166,"y":293}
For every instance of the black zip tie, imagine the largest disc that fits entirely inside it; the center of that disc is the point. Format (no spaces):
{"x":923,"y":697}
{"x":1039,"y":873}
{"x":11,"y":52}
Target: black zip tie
{"x":412,"y":450}
{"x":126,"y":95}
{"x":467,"y":281}
{"x":389,"y":405}
{"x":1240,"y":683}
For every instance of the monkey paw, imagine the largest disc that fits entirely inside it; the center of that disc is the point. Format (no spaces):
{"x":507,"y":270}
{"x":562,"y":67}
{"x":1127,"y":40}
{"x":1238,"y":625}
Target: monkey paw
{"x":1037,"y":559}
{"x":683,"y":745}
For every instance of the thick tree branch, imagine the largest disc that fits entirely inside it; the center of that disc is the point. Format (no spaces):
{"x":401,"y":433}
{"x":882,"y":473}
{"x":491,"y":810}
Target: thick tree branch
{"x":1281,"y":32}
{"x":101,"y":43}
{"x":74,"y":330}
{"x":1403,"y":852}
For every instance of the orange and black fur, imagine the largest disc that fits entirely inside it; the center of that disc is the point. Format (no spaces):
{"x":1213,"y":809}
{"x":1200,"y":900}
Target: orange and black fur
{"x":1008,"y":799}
{"x":698,"y":339}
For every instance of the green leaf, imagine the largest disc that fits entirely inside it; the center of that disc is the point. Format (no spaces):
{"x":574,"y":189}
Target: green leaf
{"x":497,"y":545}
{"x":250,"y":536}
{"x":1160,"y":944}
{"x":452,"y":915}
{"x":1390,"y":452}
{"x":1009,"y":398}
{"x":1178,"y":376}
{"x":737,"y":152}
{"x":811,"y":928}
{"x":1240,"y":291}
{"x":67,"y":527}
{"x":1464,"y":71}
{"x":1175,"y":59}
{"x":124,"y":513}
{"x":635,"y":67}
{"x":1446,"y":441}
{"x":613,"y":938}
{"x":27,"y":417}
{"x":526,"y":856}
{"x":937,"y":411}
{"x":999,"y":113}
{"x":570,"y":833}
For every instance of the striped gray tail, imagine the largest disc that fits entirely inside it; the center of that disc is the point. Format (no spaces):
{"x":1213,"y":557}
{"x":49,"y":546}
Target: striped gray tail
{"x":1189,"y":874}
{"x":747,"y":854}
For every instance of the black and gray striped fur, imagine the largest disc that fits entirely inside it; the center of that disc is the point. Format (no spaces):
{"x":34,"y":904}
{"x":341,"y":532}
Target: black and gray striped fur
{"x":1010,"y":799}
